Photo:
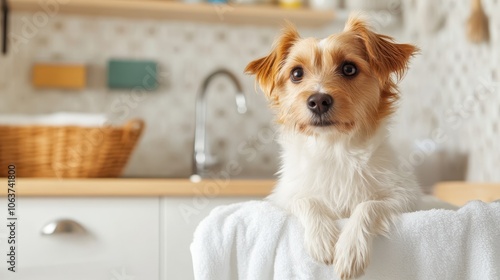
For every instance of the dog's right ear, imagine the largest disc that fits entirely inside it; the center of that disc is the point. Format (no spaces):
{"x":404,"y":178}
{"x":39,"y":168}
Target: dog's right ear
{"x":266,"y":69}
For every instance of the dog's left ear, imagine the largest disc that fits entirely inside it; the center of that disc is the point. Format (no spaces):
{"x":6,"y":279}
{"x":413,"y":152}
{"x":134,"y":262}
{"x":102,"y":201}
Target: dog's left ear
{"x":384,"y":55}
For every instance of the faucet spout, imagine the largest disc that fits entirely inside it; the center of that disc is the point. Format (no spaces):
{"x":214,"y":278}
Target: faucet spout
{"x":201,"y":155}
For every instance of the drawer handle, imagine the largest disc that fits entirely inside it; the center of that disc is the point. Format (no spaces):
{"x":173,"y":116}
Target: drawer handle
{"x":63,"y":226}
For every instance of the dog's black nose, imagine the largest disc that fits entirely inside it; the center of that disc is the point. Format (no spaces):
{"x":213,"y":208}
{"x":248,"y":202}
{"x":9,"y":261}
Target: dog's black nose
{"x":319,"y":103}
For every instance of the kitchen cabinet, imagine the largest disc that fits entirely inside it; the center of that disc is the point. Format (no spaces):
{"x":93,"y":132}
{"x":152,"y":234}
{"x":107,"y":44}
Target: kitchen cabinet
{"x":134,"y":228}
{"x":121,"y":238}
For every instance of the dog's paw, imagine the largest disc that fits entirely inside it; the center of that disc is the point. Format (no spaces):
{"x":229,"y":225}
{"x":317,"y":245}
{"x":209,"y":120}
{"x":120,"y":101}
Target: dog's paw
{"x":352,"y":256}
{"x":320,"y":243}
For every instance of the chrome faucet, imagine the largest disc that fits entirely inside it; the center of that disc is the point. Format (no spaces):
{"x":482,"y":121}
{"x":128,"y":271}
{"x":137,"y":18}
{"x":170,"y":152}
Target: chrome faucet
{"x":201,"y":155}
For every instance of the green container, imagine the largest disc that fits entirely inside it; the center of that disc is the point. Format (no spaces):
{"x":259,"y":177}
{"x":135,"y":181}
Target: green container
{"x":132,"y":74}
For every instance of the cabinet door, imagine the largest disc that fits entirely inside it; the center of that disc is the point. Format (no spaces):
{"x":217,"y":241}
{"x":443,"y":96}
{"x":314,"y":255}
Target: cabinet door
{"x":121,"y":239}
{"x":180,"y":217}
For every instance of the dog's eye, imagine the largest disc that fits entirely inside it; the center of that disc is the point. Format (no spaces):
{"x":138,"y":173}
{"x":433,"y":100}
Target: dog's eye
{"x":349,"y":69}
{"x":297,"y":74}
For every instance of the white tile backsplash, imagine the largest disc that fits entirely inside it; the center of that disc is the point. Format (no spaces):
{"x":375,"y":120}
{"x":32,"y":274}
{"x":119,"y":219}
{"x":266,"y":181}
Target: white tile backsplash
{"x":186,"y":52}
{"x":441,"y":79}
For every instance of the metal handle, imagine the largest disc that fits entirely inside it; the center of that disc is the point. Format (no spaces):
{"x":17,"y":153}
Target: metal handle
{"x":63,"y":226}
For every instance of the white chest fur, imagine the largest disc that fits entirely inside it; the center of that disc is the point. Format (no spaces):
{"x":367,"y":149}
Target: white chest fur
{"x":339,"y":172}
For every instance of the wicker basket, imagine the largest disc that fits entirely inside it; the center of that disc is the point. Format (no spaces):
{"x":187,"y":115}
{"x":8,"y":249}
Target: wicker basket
{"x":67,"y":151}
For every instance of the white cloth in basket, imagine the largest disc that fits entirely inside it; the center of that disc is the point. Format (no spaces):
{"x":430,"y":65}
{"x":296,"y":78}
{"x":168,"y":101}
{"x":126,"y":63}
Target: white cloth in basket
{"x":56,"y":119}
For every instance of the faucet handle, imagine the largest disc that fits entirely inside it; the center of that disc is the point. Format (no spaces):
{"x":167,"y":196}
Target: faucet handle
{"x":241,"y":103}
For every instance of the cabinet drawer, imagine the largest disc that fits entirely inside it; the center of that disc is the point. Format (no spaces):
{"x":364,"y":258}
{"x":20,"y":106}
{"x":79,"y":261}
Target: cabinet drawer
{"x":121,"y":239}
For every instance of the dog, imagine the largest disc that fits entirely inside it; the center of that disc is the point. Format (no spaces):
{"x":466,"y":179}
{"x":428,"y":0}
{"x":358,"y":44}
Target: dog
{"x":333,"y":99}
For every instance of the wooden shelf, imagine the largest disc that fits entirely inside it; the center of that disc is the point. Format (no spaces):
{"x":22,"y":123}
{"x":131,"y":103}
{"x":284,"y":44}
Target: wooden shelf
{"x":222,"y":13}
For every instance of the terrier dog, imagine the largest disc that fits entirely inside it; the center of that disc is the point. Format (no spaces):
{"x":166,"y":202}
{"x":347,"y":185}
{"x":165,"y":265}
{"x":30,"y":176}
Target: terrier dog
{"x":333,"y":98}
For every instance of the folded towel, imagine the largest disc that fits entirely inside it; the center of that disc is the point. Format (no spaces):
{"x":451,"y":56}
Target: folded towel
{"x":56,"y":119}
{"x":256,"y":240}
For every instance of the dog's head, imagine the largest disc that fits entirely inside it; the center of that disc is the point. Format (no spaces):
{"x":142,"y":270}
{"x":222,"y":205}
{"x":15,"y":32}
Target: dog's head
{"x":340,"y":84}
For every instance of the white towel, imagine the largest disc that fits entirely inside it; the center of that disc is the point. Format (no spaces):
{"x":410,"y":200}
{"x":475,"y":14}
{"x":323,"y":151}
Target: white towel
{"x":257,"y":241}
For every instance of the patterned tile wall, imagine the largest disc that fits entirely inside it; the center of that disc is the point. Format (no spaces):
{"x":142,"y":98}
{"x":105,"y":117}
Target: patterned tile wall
{"x":451,"y":97}
{"x":187,"y":52}
{"x":451,"y":90}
